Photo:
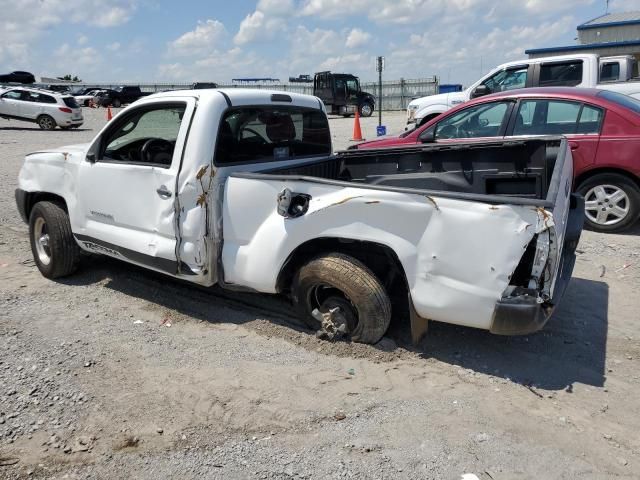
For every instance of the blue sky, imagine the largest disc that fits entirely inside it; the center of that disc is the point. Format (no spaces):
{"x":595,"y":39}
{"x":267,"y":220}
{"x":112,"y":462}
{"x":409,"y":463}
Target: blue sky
{"x":199,"y":40}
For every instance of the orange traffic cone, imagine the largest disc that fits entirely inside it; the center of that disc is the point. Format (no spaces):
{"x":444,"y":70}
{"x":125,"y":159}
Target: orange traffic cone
{"x":357,"y":131}
{"x":109,"y":115}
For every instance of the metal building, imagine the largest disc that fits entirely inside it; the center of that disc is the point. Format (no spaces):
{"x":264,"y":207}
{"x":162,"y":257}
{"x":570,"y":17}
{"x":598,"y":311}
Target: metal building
{"x":610,"y":34}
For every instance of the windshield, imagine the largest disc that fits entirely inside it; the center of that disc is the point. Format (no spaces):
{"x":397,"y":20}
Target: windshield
{"x":625,"y":101}
{"x":271,"y":133}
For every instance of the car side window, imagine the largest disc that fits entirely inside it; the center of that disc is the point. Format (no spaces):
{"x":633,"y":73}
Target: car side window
{"x":590,"y":120}
{"x":507,"y":80}
{"x":547,"y":117}
{"x":13,"y":95}
{"x":484,"y":120}
{"x":146,"y":136}
{"x":567,"y":74}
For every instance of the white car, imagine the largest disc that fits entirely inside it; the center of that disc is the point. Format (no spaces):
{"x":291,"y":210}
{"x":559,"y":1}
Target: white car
{"x":48,"y":109}
{"x":87,"y":98}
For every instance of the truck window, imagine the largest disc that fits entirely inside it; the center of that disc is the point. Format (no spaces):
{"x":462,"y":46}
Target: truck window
{"x":507,"y":80}
{"x":146,"y":135}
{"x":545,"y":117}
{"x":483,"y":120}
{"x":568,"y":74}
{"x":271,"y":133}
{"x":610,"y":72}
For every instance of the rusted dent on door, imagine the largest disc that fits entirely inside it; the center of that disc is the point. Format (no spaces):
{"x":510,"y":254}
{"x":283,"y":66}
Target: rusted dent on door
{"x":204,"y":195}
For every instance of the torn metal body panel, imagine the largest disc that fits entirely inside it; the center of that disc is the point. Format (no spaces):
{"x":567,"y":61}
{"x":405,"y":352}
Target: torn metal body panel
{"x":457,"y":255}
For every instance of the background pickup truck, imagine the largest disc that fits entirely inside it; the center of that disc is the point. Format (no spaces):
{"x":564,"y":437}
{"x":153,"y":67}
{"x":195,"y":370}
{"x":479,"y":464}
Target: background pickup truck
{"x":480,"y":235}
{"x":617,"y":74}
{"x":120,"y":96}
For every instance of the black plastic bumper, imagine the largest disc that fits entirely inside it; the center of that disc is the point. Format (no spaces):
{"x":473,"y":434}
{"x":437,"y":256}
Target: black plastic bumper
{"x":21,"y":202}
{"x":522,"y":314}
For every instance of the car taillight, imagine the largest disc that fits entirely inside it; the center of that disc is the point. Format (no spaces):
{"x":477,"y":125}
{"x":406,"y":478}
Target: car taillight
{"x":65,"y":109}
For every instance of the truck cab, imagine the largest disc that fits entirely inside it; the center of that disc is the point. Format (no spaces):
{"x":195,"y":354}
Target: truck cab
{"x":342,"y":95}
{"x":586,"y":70}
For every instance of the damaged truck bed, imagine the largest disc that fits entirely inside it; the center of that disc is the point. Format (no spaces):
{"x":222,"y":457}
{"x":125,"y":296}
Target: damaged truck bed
{"x":481,"y":234}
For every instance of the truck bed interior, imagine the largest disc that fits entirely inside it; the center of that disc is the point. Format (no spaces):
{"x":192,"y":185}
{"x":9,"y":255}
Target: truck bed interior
{"x":515,"y":168}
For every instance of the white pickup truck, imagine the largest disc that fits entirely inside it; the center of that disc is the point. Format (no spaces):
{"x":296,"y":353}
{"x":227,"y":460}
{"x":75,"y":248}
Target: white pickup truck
{"x":240,"y":188}
{"x":587,"y":70}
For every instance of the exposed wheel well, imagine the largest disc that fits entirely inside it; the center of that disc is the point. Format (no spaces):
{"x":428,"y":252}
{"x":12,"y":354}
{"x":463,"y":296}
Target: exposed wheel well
{"x":35,"y":197}
{"x":597,"y":171}
{"x":380,"y":259}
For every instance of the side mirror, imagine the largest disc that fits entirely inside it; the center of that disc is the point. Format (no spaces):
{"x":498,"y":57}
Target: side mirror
{"x":428,"y":136}
{"x":480,"y":91}
{"x":91,"y":157}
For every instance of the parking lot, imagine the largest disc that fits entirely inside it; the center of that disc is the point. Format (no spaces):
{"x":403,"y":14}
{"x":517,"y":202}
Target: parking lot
{"x":120,"y":372}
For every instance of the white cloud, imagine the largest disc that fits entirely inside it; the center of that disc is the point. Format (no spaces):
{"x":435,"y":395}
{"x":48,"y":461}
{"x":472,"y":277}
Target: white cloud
{"x":357,"y":38}
{"x":201,"y":40}
{"x":276,"y":7}
{"x":258,"y":26}
{"x":82,"y":39}
{"x":113,"y":47}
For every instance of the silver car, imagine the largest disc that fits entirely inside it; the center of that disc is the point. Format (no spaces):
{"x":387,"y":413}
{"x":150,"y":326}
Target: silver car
{"x":46,"y":108}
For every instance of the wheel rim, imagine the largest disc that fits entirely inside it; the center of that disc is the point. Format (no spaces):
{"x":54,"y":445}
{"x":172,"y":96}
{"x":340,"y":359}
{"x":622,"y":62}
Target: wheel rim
{"x":46,"y":123}
{"x":606,"y":205}
{"x":327,"y":298}
{"x":366,"y":110}
{"x":42,"y":241}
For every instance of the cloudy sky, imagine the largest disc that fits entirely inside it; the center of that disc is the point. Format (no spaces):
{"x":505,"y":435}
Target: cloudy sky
{"x":212,"y":40}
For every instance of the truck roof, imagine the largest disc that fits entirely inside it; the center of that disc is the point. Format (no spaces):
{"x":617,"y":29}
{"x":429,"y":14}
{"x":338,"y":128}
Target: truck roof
{"x":244,"y":96}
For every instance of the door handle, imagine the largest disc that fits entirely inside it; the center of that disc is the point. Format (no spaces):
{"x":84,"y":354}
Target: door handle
{"x":574,"y":145}
{"x":163,"y":192}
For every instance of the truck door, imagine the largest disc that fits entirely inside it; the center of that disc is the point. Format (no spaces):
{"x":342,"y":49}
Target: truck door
{"x":339,"y":91}
{"x":126,"y":199}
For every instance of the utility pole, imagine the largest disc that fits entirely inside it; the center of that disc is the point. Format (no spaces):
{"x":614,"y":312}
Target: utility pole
{"x":380,"y":67}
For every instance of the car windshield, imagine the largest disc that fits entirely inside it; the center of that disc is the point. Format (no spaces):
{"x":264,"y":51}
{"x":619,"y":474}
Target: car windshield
{"x":626,"y":101}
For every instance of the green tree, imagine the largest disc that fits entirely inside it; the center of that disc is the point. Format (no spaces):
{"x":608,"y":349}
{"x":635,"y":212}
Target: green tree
{"x":70,"y":78}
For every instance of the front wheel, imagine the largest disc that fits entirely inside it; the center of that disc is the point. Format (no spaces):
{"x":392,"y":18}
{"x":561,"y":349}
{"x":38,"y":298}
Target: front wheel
{"x":55,"y":251}
{"x":366,"y":109}
{"x":117,"y":103}
{"x":345,"y":293}
{"x":612,"y":202}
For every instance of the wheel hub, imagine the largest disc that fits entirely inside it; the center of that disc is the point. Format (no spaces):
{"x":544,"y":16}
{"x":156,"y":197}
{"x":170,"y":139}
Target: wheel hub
{"x":42,"y":241}
{"x":606,"y":204}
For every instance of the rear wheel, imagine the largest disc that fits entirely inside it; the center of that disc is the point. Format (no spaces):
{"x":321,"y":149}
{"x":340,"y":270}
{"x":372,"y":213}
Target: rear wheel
{"x":45,"y":122}
{"x":54,"y":249}
{"x":612,"y":202}
{"x":341,"y":287}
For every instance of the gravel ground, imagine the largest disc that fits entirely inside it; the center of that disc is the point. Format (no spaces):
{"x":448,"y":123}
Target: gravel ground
{"x":117,"y":372}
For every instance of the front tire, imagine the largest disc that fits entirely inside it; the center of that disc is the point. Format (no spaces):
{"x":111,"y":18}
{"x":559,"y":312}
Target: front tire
{"x":612,"y":202}
{"x":117,"y":103}
{"x":45,"y":122}
{"x":366,"y":109}
{"x":340,"y":281}
{"x":54,"y":249}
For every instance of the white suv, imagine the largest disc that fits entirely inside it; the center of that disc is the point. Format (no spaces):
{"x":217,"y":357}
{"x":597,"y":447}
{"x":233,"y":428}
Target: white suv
{"x":48,"y":109}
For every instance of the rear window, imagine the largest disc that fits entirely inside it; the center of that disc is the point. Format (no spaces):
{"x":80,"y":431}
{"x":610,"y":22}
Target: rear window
{"x":567,"y":74}
{"x":626,"y":101}
{"x":70,"y":102}
{"x":270,"y":133}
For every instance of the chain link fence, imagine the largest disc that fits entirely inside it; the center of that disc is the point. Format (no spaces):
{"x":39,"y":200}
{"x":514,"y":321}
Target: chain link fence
{"x":396,"y":94}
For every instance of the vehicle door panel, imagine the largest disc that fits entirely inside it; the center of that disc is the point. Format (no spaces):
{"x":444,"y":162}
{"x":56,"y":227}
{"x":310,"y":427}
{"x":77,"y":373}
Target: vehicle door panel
{"x":127,"y":208}
{"x":10,"y":104}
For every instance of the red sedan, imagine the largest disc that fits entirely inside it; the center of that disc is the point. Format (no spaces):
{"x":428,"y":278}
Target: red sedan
{"x":603,"y":129}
